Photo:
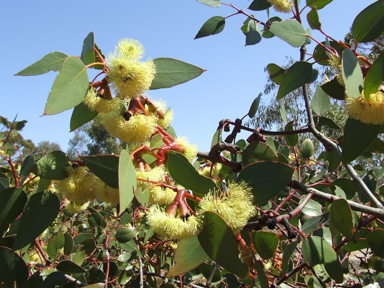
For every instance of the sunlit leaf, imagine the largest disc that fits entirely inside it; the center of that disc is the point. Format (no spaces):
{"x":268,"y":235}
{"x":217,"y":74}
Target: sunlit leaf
{"x":341,"y":215}
{"x":212,"y":26}
{"x":320,"y":102}
{"x":258,"y":151}
{"x":276,"y":73}
{"x":50,"y":62}
{"x":352,"y":75}
{"x":211,"y":3}
{"x":375,"y":77}
{"x":127,"y":177}
{"x":290,"y":31}
{"x":81,"y":114}
{"x":313,"y":19}
{"x":52,"y":166}
{"x":369,"y":24}
{"x":265,"y":243}
{"x":105,"y":167}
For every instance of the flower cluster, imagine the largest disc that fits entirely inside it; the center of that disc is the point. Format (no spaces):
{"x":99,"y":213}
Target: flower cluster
{"x":369,"y":113}
{"x":282,"y":5}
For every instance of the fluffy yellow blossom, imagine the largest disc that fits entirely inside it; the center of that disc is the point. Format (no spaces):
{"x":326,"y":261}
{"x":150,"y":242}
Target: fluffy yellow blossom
{"x":99,"y":104}
{"x":359,"y":109}
{"x":167,"y":113}
{"x":127,"y":75}
{"x":75,"y":208}
{"x":156,"y":175}
{"x":282,"y":5}
{"x":137,"y":129}
{"x":235,"y":206}
{"x":161,"y":196}
{"x":78,"y":186}
{"x":335,"y":62}
{"x":105,"y":193}
{"x":169,"y":227}
{"x":190,"y":151}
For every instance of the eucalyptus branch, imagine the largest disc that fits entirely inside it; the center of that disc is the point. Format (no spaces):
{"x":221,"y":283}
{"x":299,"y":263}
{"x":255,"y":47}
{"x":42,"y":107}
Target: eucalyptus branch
{"x":379,"y":213}
{"x":209,"y":281}
{"x":317,"y":277}
{"x":236,"y":166}
{"x":240,"y":11}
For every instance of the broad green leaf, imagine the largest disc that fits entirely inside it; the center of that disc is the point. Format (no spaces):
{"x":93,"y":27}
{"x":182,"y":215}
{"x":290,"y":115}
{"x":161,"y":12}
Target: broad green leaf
{"x":69,"y":267}
{"x":68,"y":244}
{"x":55,"y":279}
{"x":69,"y":88}
{"x":276,"y":73}
{"x":283,"y":113}
{"x":318,"y":3}
{"x":312,"y":224}
{"x":376,"y":242}
{"x":291,"y":139}
{"x":212,"y":26}
{"x":324,"y":121}
{"x":313,"y":19}
{"x":288,"y":252}
{"x":207,"y":269}
{"x":156,"y":142}
{"x":171,"y":72}
{"x":12,"y":201}
{"x":263,"y":280}
{"x":290,"y":31}
{"x":321,"y":55}
{"x":88,"y":54}
{"x":127,"y":177}
{"x":81,"y":114}
{"x":142,"y":196}
{"x":4,"y":183}
{"x":216,"y":138}
{"x":312,"y":208}
{"x":105,"y":167}
{"x":315,"y":74}
{"x":296,"y":76}
{"x":50,"y":62}
{"x":265,"y":243}
{"x":34,"y":281}
{"x":253,"y":33}
{"x":348,"y":186}
{"x":14,"y":271}
{"x":258,"y":151}
{"x":357,"y":137}
{"x":124,"y":235}
{"x":341,"y":215}
{"x":369,"y":24}
{"x":332,"y":157}
{"x":28,"y":163}
{"x":211,"y":3}
{"x":352,"y":75}
{"x":185,"y":174}
{"x":375,"y":77}
{"x":52,"y":166}
{"x":266,"y":32}
{"x":189,"y":254}
{"x":55,"y":244}
{"x":271,"y":178}
{"x":334,"y":89}
{"x":259,"y":5}
{"x":320,"y":102}
{"x":40,"y":211}
{"x":219,"y":243}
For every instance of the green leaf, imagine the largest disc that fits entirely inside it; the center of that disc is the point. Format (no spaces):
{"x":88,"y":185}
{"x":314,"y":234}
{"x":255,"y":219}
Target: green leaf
{"x":128,"y":182}
{"x":69,"y":267}
{"x":376,"y":242}
{"x":288,"y":252}
{"x":219,"y":243}
{"x":52,"y":166}
{"x":283,"y":113}
{"x":50,"y":62}
{"x":124,"y":235}
{"x":259,"y":5}
{"x":341,"y":215}
{"x":55,"y":279}
{"x":55,"y":244}
{"x":324,"y":121}
{"x":375,"y":77}
{"x":39,"y":213}
{"x":332,"y":157}
{"x":156,"y":142}
{"x":216,"y":137}
{"x":291,"y":139}
{"x":266,"y":32}
{"x":369,"y":24}
{"x":105,"y":167}
{"x":271,"y":178}
{"x":263,"y":280}
{"x":28,"y":163}
{"x":320,"y":102}
{"x":212,"y":26}
{"x":318,"y":3}
{"x":258,"y":151}
{"x":14,"y":271}
{"x":312,"y":208}
{"x":189,"y":254}
{"x":276,"y":73}
{"x":171,"y":72}
{"x":34,"y":281}
{"x":12,"y":201}
{"x":185,"y":174}
{"x":313,"y":224}
{"x":142,"y":196}
{"x":81,"y":114}
{"x":313,"y":19}
{"x":290,"y":31}
{"x":321,"y":55}
{"x":334,"y":89}
{"x":211,"y":3}
{"x":265,"y":243}
{"x":352,"y":75}
{"x":253,"y":33}
{"x":357,"y":137}
{"x":69,"y":88}
{"x":296,"y":76}
{"x":88,"y":54}
{"x":348,"y":186}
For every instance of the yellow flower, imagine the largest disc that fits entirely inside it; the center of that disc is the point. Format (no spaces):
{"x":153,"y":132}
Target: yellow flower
{"x":167,"y":113}
{"x":190,"y":151}
{"x":99,"y":104}
{"x":169,"y":227}
{"x":160,"y":196}
{"x":105,"y":193}
{"x":127,"y":75}
{"x":359,"y":109}
{"x":235,"y":206}
{"x":282,"y":5}
{"x":335,"y":62}
{"x":156,"y":175}
{"x":137,"y":129}
{"x":75,"y":208}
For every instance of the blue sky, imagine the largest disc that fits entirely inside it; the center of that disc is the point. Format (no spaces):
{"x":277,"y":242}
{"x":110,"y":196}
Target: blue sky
{"x":234,"y":77}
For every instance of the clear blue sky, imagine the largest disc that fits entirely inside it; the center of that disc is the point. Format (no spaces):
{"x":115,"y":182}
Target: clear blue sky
{"x":234,"y":77}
